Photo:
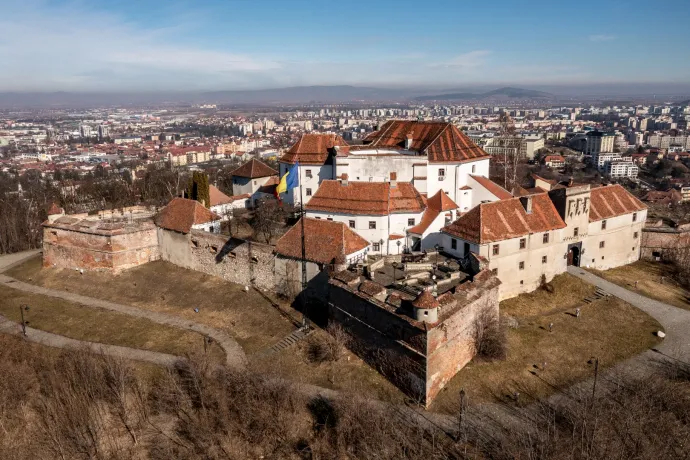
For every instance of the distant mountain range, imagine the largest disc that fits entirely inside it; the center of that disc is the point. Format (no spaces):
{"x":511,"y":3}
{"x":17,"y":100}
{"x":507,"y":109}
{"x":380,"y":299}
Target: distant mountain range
{"x":321,"y":94}
{"x":506,"y":92}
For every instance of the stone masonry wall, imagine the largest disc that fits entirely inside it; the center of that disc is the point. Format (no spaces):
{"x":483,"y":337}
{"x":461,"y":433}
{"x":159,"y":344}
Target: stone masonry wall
{"x":234,"y":260}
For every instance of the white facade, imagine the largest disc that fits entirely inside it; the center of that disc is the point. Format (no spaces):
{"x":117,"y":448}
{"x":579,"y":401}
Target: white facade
{"x":622,"y":168}
{"x":310,"y":177}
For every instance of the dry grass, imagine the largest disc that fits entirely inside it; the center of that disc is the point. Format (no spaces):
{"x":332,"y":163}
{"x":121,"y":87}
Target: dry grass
{"x":648,"y":275}
{"x":349,"y":373}
{"x":610,"y":330}
{"x":94,"y":325}
{"x":568,"y":293}
{"x":164,"y":287}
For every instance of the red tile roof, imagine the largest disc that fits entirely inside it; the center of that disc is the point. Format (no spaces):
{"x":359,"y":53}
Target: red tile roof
{"x":217,"y":197}
{"x":437,"y":204}
{"x":370,"y":198}
{"x":493,"y":188}
{"x":425,"y":301}
{"x":505,"y":219}
{"x":313,"y":149}
{"x":181,"y":214}
{"x":441,"y":142}
{"x":254,"y":169}
{"x":325,"y":241}
{"x":55,"y":209}
{"x":612,"y":201}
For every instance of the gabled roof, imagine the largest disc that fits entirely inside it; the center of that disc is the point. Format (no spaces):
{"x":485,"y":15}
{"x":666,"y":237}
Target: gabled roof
{"x":217,"y":197}
{"x":611,"y":201}
{"x":440,"y":141}
{"x":254,"y":169}
{"x":506,"y":219}
{"x":437,"y":204}
{"x":312,"y":149}
{"x":325,"y":241}
{"x":55,"y":209}
{"x":493,"y":188}
{"x":369,"y":198}
{"x":181,"y":214}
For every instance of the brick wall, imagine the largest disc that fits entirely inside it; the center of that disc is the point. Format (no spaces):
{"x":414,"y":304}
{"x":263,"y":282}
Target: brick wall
{"x":662,"y":241}
{"x":417,"y":358}
{"x":68,"y":248}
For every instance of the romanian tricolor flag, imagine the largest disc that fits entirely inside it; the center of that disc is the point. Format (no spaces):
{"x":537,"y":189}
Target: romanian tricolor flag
{"x":289,"y":180}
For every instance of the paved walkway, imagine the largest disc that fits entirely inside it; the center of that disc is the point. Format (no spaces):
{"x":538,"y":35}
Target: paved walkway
{"x":675,"y":321}
{"x":234,"y":355}
{"x":59,"y":341}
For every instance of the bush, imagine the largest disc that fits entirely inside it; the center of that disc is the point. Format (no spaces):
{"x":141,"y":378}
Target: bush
{"x":327,"y":347}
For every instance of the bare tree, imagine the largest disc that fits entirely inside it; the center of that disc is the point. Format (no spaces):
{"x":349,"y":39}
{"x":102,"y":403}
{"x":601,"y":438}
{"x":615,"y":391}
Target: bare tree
{"x":268,"y":219}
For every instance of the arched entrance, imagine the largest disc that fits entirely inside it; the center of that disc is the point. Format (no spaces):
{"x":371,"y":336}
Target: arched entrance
{"x":574,"y":254}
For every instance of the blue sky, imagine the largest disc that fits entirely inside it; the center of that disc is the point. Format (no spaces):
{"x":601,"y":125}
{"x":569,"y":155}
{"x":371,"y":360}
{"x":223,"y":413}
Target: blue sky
{"x":228,"y":44}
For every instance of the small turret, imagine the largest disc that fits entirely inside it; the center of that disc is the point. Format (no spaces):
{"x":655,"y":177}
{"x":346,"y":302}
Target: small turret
{"x":425,"y":307}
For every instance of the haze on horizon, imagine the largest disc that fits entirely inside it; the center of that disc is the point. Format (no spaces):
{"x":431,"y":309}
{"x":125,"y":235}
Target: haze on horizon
{"x":155,"y":45}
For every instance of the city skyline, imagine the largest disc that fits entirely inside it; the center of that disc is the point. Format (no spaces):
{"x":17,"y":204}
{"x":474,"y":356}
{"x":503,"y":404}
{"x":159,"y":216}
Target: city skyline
{"x":153,"y":45}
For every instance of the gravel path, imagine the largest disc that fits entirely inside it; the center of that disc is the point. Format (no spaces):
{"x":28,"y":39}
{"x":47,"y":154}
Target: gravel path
{"x":234,"y":355}
{"x":59,"y":341}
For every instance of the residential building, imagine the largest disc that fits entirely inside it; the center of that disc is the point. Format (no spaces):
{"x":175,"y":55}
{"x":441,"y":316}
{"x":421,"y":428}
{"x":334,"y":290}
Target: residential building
{"x":554,"y":161}
{"x":255,"y":179}
{"x":182,"y":215}
{"x":598,"y":142}
{"x":622,"y":168}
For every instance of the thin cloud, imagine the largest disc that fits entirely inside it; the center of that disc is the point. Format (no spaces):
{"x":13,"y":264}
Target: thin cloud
{"x":602,"y":38}
{"x":470,"y":60}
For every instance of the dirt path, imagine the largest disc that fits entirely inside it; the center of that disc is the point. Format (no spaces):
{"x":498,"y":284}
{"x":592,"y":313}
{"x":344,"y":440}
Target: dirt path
{"x":59,"y":341}
{"x":234,"y":355}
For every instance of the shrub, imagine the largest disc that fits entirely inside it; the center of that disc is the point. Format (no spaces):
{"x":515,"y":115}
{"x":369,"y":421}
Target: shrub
{"x":490,"y":340}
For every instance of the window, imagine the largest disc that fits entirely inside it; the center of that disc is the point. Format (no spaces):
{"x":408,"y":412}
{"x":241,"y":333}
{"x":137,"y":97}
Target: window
{"x":576,"y":231}
{"x":495,"y":250}
{"x":372,"y":224}
{"x":634,"y":217}
{"x":329,"y":218}
{"x":543,"y":259}
{"x":521,"y":266}
{"x":474,"y":169}
{"x":254,"y":182}
{"x":522,"y":282}
{"x":635,"y":235}
{"x":453,"y":243}
{"x":494,"y":271}
{"x":603,"y":225}
{"x":352,"y":224}
{"x":308,"y":192}
{"x":441,"y":172}
{"x":377,"y":246}
{"x":410,"y":222}
{"x":546,"y":238}
{"x":523,"y":243}
{"x":308,"y":172}
{"x":602,"y":244}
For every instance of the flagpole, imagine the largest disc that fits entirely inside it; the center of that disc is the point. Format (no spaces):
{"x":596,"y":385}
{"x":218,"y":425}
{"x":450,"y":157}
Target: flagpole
{"x":305,"y":320}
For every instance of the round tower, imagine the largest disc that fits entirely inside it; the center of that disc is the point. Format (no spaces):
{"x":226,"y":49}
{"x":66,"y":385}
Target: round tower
{"x":425,"y":308}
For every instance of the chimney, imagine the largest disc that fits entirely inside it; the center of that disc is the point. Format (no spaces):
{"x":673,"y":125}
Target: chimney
{"x":408,"y":140}
{"x":344,"y":180}
{"x":394,"y":179}
{"x":527,"y":203}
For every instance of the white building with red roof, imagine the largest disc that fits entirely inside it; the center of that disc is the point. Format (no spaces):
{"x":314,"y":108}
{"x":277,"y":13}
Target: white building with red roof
{"x":536,"y":236}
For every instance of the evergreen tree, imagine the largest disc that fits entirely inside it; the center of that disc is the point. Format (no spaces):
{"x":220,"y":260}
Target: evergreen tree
{"x":198,"y":188}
